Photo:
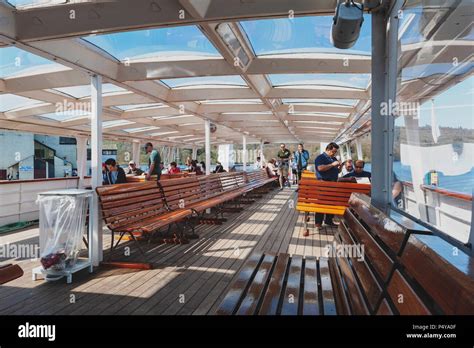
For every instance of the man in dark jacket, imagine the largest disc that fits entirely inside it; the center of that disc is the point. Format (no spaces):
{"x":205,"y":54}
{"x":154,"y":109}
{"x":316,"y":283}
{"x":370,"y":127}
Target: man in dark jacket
{"x":113,"y":173}
{"x":327,"y":169}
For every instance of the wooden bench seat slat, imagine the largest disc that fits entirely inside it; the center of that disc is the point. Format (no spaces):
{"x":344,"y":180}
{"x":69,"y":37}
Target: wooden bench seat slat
{"x":451,"y":285}
{"x":404,"y":297}
{"x":382,"y":262}
{"x":293,"y":287}
{"x":327,"y":291}
{"x":233,"y":297}
{"x":250,"y":302}
{"x":353,"y":292}
{"x":311,"y":294}
{"x":273,"y":294}
{"x":342,"y":303}
{"x":370,"y":285}
{"x":392,"y":234}
{"x":384,"y":308}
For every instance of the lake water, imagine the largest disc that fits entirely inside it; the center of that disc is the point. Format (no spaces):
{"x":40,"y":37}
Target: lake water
{"x":457,"y":183}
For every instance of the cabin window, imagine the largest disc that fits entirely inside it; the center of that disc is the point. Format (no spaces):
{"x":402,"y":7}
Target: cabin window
{"x":434,"y":126}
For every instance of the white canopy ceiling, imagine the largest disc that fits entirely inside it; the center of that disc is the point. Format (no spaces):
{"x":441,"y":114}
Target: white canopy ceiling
{"x":249,"y":66}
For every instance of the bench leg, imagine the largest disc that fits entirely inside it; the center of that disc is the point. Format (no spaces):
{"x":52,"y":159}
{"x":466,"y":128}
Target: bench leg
{"x":306,"y":229}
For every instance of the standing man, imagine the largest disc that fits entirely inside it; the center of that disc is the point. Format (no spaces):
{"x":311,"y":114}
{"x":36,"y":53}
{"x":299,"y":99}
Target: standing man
{"x":301,"y":159}
{"x":154,"y":162}
{"x":284,"y":156}
{"x":327,"y":168}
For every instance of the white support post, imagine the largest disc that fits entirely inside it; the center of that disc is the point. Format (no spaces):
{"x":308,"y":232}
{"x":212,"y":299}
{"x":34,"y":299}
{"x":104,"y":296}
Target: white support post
{"x":262,"y":157}
{"x":348,"y":150}
{"x":244,"y":153}
{"x":81,"y":154}
{"x":194,"y":154}
{"x":360,"y":155}
{"x":207,"y":131}
{"x":96,"y":165}
{"x":136,"y":152}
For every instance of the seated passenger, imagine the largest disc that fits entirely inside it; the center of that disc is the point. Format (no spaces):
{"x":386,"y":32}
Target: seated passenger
{"x":347,"y":167}
{"x":272,"y":168}
{"x":359,"y":171}
{"x":133,"y":169}
{"x":219,"y":168}
{"x":195,"y":168}
{"x":114,"y":174}
{"x":174,"y":169}
{"x":397,"y":192}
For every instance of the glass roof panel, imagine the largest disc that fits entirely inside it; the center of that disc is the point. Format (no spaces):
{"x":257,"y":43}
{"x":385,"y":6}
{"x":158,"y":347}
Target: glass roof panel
{"x":232,"y":80}
{"x":301,"y":35}
{"x":140,"y":129}
{"x":232,"y":101}
{"x":139,"y":106}
{"x":68,"y":115}
{"x":85,"y":90}
{"x":12,"y":101}
{"x":22,"y":3}
{"x":342,"y":80}
{"x":16,"y":62}
{"x":347,"y":102}
{"x":114,"y":123}
{"x":142,"y":44}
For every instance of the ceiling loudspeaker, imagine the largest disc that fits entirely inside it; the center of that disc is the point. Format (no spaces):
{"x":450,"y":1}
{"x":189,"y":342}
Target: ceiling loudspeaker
{"x":346,"y":24}
{"x":213,"y":128}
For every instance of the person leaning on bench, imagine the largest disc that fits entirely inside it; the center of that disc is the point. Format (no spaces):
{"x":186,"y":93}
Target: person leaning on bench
{"x":327,"y":169}
{"x":154,"y":162}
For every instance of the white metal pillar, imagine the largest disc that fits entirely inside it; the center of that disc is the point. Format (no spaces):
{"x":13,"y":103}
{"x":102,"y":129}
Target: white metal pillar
{"x":262,"y":157}
{"x":207,"y":131}
{"x":360,"y":155}
{"x":194,"y":154}
{"x":136,"y":152}
{"x":96,"y":165}
{"x":81,"y":154}
{"x":244,"y":153}
{"x":348,"y":150}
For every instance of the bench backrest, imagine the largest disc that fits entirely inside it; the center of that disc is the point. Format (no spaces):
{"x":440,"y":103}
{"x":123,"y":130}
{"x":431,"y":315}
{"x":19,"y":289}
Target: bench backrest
{"x":405,"y":269}
{"x":126,"y":203}
{"x":316,"y":191}
{"x":181,"y":192}
{"x":256,"y":176}
{"x":210,"y":185}
{"x":229,"y":181}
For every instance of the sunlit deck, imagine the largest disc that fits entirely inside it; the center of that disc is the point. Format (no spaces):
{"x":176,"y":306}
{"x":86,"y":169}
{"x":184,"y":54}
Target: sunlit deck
{"x":200,"y":271}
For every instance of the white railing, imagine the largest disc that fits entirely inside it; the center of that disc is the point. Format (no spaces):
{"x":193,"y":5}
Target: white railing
{"x":448,"y":211}
{"x":18,"y":197}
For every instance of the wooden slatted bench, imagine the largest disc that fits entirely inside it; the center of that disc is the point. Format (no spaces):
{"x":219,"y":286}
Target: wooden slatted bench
{"x":326,"y":197}
{"x":10,"y":272}
{"x":400,"y":268}
{"x":405,"y":269}
{"x":271,"y":284}
{"x":197,"y":193}
{"x":259,"y":179}
{"x":137,"y":209}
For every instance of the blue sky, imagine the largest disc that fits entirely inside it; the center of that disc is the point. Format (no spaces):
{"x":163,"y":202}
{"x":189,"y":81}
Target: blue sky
{"x":453,"y":108}
{"x":300,"y":34}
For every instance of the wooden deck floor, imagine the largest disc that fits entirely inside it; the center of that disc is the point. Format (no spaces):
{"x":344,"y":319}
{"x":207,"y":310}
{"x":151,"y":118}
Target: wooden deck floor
{"x":186,"y":279}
